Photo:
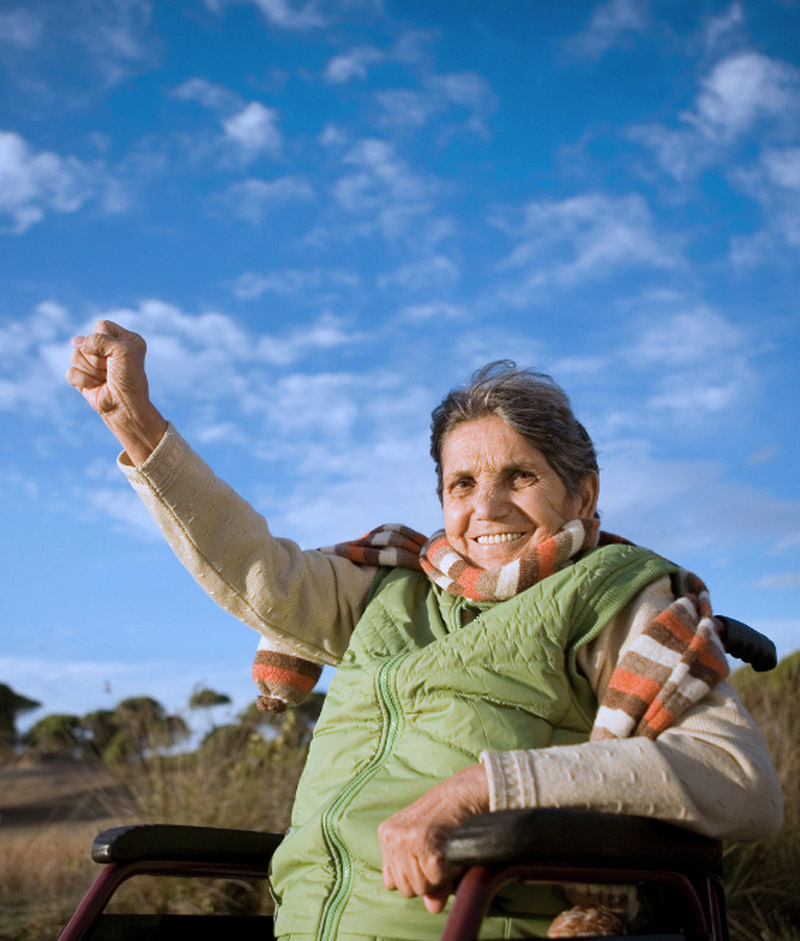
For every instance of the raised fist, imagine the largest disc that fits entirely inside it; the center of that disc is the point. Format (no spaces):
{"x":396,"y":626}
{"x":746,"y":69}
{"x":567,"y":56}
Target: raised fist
{"x":108,"y":370}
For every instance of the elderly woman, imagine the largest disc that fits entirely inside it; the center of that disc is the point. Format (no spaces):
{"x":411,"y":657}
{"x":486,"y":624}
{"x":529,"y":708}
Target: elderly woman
{"x":517,"y":658}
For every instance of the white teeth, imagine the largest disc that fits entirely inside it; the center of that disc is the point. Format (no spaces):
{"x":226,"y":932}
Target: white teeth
{"x":495,"y":538}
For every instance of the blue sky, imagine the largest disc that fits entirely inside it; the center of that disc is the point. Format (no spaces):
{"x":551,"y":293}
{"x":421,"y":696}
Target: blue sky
{"x":322,"y":215}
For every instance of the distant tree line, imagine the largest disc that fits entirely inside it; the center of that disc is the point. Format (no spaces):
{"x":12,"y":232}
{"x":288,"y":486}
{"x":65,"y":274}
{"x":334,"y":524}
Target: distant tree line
{"x":140,"y":726}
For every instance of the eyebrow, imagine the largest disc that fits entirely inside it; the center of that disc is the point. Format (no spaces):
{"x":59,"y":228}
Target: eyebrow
{"x":520,"y":464}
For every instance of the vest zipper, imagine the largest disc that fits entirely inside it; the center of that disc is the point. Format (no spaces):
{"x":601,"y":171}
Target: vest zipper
{"x":343,"y":864}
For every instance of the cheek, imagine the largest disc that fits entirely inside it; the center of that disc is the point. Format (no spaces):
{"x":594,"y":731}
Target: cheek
{"x":454,"y":519}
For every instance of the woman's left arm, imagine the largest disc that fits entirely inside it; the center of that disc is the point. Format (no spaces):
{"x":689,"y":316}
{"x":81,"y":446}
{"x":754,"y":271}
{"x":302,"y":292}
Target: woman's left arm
{"x":709,"y":772}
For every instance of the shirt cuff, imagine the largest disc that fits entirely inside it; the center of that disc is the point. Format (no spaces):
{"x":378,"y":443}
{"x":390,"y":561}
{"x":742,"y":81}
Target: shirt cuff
{"x":162,"y":466}
{"x":512,"y":783}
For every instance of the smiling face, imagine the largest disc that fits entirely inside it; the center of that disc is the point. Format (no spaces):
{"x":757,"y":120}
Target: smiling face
{"x":501,"y":496}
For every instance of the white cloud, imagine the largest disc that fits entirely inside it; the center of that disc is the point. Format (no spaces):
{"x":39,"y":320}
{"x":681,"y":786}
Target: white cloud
{"x":774,"y":182}
{"x":292,"y":282}
{"x":15,"y":483}
{"x":430,"y":274}
{"x":688,"y":340}
{"x":35,"y":359}
{"x":32,"y":184}
{"x":740,"y":91}
{"x":211,"y":356}
{"x":744,"y":93}
{"x":688,"y":509}
{"x":718,"y":30}
{"x":389,"y":193}
{"x":381,"y":193}
{"x":282,"y":13}
{"x":20,"y":28}
{"x":114,"y":33}
{"x":208,"y":357}
{"x":780,"y":582}
{"x":326,"y":333}
{"x":352,"y":64}
{"x":782,"y":167}
{"x":437,"y":95}
{"x":252,"y":199}
{"x":437,"y":310}
{"x":98,"y":44}
{"x":254,"y":130}
{"x":208,"y":94}
{"x":613,"y":23}
{"x":355,"y":63}
{"x":332,"y":136}
{"x":699,"y":363}
{"x":563,"y":243}
{"x":381,"y":175}
{"x":124,"y":508}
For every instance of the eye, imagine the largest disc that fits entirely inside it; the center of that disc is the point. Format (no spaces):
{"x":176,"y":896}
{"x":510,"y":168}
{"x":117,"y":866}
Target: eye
{"x":460,"y":485}
{"x":523,"y":478}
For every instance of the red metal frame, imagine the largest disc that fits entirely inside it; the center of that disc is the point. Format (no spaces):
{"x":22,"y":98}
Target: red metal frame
{"x":113,"y":875}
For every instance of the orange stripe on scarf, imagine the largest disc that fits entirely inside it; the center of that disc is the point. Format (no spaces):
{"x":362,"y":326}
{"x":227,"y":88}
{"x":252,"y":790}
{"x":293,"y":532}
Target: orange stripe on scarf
{"x":633,"y":684}
{"x":265,"y":673}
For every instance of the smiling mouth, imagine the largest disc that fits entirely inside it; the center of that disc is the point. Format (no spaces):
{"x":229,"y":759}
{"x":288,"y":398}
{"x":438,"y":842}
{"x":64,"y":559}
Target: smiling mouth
{"x":496,"y":538}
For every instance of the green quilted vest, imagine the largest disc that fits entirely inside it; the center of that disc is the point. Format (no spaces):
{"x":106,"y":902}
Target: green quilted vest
{"x":420,"y":693}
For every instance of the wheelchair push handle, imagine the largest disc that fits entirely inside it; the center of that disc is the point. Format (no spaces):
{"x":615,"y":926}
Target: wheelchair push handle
{"x":745,"y":643}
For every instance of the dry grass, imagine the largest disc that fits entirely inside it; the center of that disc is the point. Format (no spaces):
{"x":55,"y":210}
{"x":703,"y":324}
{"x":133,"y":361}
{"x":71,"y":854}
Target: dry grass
{"x":763,"y":879}
{"x":45,"y":870}
{"x":43,"y":873}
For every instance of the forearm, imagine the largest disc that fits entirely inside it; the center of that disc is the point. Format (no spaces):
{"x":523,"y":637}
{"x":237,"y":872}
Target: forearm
{"x":710,"y":773}
{"x":307,"y":602}
{"x":139,"y":430}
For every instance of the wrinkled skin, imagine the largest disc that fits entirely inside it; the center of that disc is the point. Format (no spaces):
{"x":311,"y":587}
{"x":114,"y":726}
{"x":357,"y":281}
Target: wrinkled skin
{"x":108,"y":370}
{"x":412,"y":840}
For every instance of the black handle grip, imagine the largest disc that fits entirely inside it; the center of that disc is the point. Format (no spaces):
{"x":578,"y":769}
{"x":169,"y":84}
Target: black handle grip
{"x":745,"y":643}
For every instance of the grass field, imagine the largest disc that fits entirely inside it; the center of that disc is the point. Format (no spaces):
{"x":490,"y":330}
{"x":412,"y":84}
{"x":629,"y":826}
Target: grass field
{"x":52,"y":810}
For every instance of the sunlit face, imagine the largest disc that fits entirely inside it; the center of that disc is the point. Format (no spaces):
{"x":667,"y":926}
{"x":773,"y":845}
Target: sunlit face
{"x":501,"y":496}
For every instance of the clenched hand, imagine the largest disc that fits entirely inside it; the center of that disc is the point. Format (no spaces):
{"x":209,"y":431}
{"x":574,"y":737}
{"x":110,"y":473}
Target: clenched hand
{"x":108,"y":369}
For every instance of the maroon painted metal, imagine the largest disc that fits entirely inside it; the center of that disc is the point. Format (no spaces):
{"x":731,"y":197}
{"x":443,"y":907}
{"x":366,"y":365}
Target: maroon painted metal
{"x":113,"y":875}
{"x":481,"y":883}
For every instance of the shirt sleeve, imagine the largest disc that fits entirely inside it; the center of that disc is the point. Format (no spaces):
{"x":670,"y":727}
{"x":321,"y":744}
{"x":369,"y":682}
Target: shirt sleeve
{"x":709,"y":772}
{"x":304,"y":602}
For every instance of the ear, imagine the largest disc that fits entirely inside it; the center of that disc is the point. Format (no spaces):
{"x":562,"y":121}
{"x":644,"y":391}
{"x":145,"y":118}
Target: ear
{"x":587,"y":498}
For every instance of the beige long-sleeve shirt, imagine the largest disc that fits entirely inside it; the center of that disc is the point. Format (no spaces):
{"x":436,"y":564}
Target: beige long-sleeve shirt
{"x":709,"y":772}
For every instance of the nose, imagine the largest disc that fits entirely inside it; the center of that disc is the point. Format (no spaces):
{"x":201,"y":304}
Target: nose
{"x":490,"y":502}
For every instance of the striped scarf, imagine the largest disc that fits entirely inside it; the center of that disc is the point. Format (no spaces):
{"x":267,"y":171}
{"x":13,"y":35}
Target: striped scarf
{"x":670,"y":666}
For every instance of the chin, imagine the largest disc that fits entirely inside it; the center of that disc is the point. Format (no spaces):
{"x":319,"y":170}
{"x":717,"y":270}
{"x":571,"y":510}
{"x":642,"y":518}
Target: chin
{"x":494,"y":562}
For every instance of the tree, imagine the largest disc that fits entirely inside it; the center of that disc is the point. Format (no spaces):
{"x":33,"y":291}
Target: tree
{"x":226,"y":740}
{"x":140,"y":725}
{"x":56,"y":736}
{"x":100,"y":727}
{"x":11,"y":705}
{"x":206,"y":698}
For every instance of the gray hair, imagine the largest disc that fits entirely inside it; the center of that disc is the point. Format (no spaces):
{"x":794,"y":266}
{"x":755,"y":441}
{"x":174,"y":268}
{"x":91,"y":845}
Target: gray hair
{"x":531,"y":403}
